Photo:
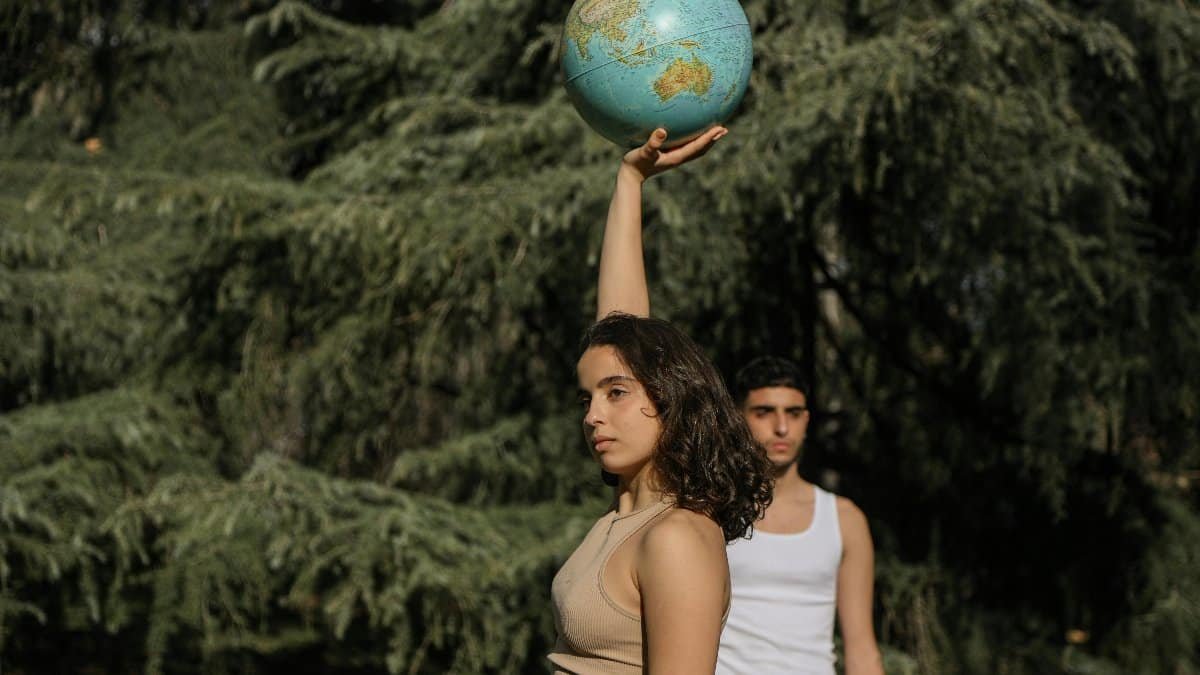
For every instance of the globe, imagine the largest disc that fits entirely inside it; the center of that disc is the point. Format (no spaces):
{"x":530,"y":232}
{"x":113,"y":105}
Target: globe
{"x":631,"y":66}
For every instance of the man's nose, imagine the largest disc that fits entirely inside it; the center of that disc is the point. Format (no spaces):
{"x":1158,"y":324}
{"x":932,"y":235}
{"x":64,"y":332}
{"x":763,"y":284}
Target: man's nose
{"x":781,"y":425}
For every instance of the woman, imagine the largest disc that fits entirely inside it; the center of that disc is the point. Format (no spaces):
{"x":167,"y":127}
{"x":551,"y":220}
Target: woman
{"x":648,"y":589}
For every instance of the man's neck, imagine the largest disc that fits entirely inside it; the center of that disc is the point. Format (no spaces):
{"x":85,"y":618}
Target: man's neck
{"x":789,"y":483}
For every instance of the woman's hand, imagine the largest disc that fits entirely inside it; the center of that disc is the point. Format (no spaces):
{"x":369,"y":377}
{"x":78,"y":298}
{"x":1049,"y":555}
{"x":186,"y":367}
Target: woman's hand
{"x":650,"y":159}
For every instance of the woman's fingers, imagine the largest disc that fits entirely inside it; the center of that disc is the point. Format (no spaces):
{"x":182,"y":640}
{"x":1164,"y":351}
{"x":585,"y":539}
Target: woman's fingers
{"x":695,"y":147}
{"x":702,"y":143}
{"x":657,"y":138}
{"x":647,"y":154}
{"x":652,"y":147}
{"x":650,"y":159}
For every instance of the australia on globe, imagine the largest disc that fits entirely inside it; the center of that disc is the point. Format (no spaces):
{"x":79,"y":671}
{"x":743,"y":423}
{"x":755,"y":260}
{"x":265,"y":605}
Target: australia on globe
{"x":631,"y":66}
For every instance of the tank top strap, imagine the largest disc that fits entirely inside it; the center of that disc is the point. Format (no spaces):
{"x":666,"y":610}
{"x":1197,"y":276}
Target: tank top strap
{"x":630,"y":525}
{"x":621,"y":528}
{"x":825,"y":514}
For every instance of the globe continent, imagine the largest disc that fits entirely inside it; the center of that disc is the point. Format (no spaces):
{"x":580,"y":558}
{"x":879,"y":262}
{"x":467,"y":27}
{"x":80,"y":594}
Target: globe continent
{"x":633,"y":65}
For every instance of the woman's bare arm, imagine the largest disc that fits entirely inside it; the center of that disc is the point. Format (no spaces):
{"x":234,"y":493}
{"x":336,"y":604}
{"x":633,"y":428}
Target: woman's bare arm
{"x":683,"y":578}
{"x":622,"y":286}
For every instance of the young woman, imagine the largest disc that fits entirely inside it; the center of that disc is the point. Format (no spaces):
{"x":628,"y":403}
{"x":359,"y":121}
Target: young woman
{"x":647,"y":591}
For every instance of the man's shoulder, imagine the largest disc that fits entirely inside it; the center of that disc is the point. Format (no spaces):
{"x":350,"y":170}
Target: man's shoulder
{"x":847,"y":508}
{"x":852,"y":522}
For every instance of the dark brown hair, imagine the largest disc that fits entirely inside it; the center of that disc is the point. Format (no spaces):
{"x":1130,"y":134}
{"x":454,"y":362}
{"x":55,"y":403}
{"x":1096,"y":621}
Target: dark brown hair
{"x":768,"y":371}
{"x":705,"y":457}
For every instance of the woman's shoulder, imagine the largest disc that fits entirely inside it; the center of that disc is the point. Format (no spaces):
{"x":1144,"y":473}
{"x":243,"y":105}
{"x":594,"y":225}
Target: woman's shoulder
{"x":680,"y":532}
{"x":684,"y":550}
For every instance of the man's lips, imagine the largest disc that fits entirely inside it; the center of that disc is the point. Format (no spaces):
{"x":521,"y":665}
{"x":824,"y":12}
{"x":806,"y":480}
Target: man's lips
{"x":778,"y":445}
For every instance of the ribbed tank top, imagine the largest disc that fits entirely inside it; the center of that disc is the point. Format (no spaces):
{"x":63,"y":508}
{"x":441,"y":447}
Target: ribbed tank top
{"x":595,"y":636}
{"x":784,"y":599}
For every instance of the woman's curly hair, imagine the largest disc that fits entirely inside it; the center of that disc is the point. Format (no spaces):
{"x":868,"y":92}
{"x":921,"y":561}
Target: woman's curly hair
{"x":705,"y":457}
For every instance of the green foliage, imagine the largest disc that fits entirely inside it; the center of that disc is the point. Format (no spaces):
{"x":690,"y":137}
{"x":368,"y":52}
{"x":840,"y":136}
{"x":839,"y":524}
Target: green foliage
{"x":67,"y":468}
{"x":1164,"y":628}
{"x":286,"y":348}
{"x":287,"y":558}
{"x":523,"y":460}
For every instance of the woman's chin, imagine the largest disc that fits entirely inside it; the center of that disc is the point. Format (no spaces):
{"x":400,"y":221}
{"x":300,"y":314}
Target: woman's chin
{"x":626,"y":472}
{"x":616,"y":470}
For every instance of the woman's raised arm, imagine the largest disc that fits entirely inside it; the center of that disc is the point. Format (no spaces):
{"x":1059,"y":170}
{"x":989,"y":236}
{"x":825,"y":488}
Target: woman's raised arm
{"x":622,"y":286}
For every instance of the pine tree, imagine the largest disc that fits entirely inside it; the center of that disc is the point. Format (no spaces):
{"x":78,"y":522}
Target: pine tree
{"x":290,"y":293}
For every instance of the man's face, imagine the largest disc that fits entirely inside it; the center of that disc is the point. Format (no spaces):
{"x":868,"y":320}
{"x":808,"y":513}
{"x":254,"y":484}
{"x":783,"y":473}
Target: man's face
{"x":778,"y":419}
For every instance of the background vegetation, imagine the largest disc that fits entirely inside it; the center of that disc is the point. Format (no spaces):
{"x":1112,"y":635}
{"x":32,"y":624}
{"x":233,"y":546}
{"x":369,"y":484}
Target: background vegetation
{"x":290,"y":293}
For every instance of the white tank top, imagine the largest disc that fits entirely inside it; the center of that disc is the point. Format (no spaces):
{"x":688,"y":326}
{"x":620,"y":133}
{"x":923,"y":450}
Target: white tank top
{"x":784,"y":599}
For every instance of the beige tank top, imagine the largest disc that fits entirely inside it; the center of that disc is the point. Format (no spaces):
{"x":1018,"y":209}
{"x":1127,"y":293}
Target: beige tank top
{"x":595,"y":636}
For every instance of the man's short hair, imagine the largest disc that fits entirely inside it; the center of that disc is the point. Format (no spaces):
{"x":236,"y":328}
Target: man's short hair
{"x":768,"y":371}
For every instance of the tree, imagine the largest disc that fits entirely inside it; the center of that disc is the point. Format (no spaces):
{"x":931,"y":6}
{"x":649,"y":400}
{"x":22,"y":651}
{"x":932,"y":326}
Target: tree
{"x":290,"y":291}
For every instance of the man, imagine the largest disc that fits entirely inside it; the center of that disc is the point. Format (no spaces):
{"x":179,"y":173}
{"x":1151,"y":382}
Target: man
{"x":810,"y":556}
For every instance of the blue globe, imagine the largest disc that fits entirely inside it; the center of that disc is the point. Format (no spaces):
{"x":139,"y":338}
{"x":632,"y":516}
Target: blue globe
{"x":631,"y":66}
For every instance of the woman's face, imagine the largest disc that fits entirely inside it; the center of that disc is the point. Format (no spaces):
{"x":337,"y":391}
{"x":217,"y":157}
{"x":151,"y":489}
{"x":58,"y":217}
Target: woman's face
{"x":620,"y":421}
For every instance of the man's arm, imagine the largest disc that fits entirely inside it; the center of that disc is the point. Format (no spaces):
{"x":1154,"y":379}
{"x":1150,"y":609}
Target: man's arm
{"x":855,"y":592}
{"x":622,"y":285}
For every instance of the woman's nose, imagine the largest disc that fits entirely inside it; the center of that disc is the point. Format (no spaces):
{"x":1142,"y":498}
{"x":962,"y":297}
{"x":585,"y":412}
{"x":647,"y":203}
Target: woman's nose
{"x":591,"y":417}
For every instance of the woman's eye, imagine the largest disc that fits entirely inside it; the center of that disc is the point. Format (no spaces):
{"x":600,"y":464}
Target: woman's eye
{"x":584,"y":403}
{"x":616,"y":393}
